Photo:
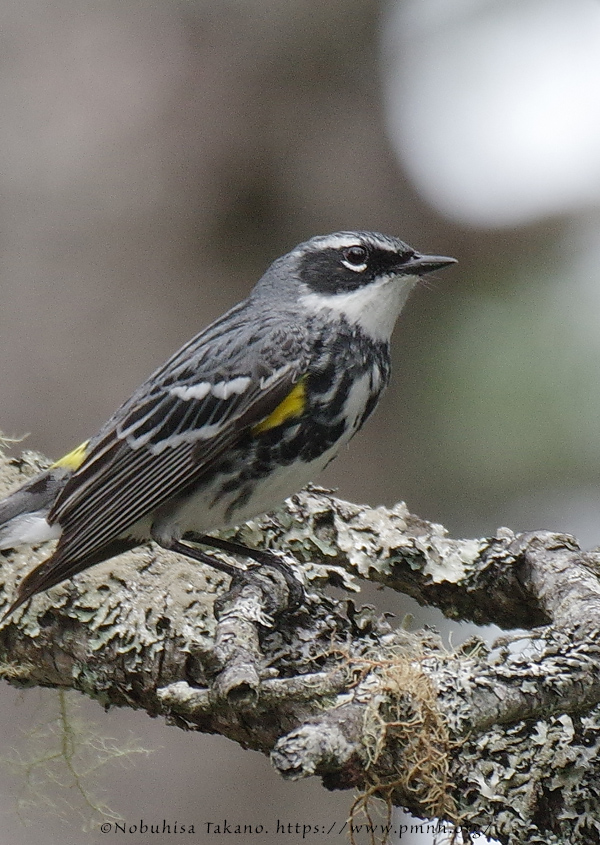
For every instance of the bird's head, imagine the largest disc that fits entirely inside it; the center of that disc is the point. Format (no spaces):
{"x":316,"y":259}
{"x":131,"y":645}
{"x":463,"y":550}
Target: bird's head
{"x":364,"y":277}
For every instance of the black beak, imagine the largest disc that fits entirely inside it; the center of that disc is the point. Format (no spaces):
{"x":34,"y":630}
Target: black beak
{"x":418,"y":265}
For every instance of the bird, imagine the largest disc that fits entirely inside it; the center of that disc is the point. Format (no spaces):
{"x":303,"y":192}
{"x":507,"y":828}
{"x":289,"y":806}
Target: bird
{"x":244,"y":415}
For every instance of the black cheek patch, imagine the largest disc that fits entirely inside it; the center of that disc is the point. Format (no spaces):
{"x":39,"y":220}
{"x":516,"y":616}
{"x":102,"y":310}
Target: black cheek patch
{"x":326,"y":274}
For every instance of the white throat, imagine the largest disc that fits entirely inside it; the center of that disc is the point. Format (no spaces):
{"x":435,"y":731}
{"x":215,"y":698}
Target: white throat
{"x":374,"y":308}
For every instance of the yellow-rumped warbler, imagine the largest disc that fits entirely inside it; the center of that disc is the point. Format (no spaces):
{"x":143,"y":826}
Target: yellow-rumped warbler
{"x":245,"y":414}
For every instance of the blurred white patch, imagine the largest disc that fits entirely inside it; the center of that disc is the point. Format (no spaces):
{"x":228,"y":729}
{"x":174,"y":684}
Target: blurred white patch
{"x":493,"y":107}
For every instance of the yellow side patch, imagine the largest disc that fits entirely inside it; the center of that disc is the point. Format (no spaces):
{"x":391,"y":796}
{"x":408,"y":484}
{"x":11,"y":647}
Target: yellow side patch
{"x":74,"y":459}
{"x":292,"y":406}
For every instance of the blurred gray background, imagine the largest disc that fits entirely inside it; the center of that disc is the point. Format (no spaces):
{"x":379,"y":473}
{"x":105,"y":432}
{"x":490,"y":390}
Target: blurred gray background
{"x":156,"y":156}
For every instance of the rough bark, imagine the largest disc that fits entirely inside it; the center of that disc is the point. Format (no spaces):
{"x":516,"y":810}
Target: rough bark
{"x":502,"y":740}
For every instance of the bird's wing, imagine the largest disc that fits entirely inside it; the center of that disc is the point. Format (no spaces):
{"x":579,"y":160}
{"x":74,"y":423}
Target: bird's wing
{"x":123,"y":479}
{"x":161,"y":447}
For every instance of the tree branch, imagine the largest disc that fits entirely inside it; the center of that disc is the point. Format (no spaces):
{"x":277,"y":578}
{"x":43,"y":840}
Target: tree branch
{"x":502,"y":740}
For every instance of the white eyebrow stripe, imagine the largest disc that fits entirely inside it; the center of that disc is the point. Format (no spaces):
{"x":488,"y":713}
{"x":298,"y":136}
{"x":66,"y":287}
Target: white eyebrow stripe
{"x":340,"y":240}
{"x":224,"y":389}
{"x":191,"y":391}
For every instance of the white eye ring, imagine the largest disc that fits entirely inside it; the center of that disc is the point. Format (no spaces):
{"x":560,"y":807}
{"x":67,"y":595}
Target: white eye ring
{"x":350,"y":256}
{"x":358,"y":268}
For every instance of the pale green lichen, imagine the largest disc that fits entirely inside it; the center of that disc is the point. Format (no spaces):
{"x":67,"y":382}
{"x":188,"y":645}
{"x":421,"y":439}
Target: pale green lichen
{"x":451,"y":560}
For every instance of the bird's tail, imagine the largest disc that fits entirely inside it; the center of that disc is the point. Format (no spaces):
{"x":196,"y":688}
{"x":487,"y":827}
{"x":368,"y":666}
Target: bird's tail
{"x":23,"y":520}
{"x":58,"y":568}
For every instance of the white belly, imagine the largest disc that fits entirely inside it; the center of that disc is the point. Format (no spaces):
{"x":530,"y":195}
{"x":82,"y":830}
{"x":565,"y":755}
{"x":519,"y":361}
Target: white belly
{"x":201,"y":514}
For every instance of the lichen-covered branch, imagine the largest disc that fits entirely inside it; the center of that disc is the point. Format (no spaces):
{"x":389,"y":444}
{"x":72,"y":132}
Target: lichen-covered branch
{"x":502,"y":739}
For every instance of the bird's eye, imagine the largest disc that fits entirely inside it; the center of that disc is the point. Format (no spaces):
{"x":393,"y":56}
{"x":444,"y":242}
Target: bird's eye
{"x":355,"y":258}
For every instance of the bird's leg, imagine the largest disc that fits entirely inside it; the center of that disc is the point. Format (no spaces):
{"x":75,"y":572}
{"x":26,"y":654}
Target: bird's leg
{"x":252,"y":602}
{"x":264,"y":557}
{"x":188,"y":550}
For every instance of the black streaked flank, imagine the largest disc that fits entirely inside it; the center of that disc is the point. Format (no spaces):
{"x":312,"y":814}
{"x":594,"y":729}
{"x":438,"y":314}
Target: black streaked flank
{"x":323,"y":422}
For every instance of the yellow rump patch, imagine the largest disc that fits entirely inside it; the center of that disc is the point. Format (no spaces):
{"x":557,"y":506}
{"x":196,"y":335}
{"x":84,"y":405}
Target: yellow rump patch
{"x":74,"y":459}
{"x":292,"y":406}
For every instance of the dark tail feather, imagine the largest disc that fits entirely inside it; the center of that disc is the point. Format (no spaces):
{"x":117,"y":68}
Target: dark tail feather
{"x":45,"y":575}
{"x":56,"y":569}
